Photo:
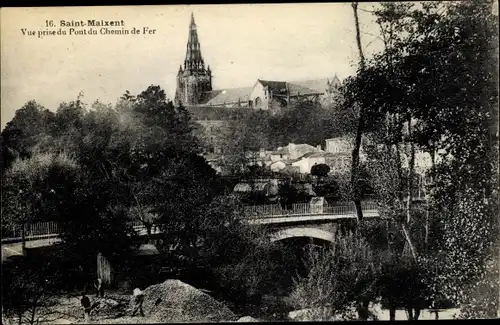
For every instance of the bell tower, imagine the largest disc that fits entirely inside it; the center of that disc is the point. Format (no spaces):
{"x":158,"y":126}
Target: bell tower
{"x":194,"y":79}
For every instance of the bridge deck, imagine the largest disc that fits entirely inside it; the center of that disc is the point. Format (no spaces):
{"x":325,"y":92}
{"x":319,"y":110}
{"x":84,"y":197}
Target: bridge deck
{"x":47,"y":233}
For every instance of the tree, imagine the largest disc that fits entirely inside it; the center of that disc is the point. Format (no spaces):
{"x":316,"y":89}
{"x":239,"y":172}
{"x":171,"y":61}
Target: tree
{"x":24,"y":132}
{"x":167,"y":125}
{"x":127,"y":96}
{"x":245,"y":137}
{"x":33,"y":187}
{"x":360,"y":125}
{"x":320,"y":170}
{"x":425,"y":90}
{"x":28,"y":288}
{"x":184,"y":191}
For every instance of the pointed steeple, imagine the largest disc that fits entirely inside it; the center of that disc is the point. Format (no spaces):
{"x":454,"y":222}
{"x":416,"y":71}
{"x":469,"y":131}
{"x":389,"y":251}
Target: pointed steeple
{"x":194,"y":60}
{"x":335,"y":81}
{"x":193,"y":81}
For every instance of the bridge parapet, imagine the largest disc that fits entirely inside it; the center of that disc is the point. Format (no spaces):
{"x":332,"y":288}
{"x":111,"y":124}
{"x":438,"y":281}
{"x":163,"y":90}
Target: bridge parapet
{"x":301,"y":209}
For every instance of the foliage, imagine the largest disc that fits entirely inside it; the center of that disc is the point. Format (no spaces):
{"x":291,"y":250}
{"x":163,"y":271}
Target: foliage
{"x":34,"y":187}
{"x":339,"y":278}
{"x":434,"y":88}
{"x":259,"y":129}
{"x":320,"y":170}
{"x":263,"y":269}
{"x":138,"y":156}
{"x":22,"y":134}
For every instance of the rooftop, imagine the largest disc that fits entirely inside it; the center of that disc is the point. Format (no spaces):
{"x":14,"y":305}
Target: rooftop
{"x":226,"y":96}
{"x":274,"y":86}
{"x":298,"y":147}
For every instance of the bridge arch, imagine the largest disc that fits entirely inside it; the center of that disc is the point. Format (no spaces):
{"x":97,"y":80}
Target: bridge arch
{"x":303,"y":232}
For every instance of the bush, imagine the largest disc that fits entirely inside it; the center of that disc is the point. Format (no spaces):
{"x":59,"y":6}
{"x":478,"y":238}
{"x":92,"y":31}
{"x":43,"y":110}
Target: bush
{"x":320,"y":170}
{"x":339,"y":278}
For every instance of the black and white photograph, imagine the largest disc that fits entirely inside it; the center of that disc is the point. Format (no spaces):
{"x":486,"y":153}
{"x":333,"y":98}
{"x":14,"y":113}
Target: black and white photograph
{"x":259,"y":162}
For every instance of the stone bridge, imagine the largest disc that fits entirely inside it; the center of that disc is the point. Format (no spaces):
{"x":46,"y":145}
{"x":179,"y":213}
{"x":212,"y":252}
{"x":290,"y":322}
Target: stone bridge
{"x":313,"y":220}
{"x":320,"y":222}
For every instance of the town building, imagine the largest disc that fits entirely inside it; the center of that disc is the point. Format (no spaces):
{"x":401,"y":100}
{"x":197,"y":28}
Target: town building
{"x":214,"y":109}
{"x":339,"y":145}
{"x":339,"y":163}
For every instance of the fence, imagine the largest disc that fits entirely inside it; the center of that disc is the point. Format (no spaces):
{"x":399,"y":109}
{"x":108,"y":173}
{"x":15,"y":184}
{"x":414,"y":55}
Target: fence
{"x":32,"y":231}
{"x":297,"y":209}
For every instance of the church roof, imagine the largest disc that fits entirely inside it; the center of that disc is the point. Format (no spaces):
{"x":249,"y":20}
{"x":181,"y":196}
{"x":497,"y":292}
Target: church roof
{"x":274,"y":86}
{"x":296,"y":89}
{"x":226,"y":96}
{"x":318,"y":85}
{"x":234,"y":95}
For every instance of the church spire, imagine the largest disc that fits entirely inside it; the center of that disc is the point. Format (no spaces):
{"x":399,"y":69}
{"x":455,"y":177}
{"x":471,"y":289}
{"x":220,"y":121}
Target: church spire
{"x":194,"y":60}
{"x":194,"y":80}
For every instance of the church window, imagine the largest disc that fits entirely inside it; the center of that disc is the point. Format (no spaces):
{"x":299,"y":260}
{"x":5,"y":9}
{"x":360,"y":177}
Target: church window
{"x":258,"y":102}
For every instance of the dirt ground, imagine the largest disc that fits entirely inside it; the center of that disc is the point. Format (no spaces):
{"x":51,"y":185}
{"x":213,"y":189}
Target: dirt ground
{"x":179,"y":302}
{"x":66,"y":309}
{"x":115,"y":308}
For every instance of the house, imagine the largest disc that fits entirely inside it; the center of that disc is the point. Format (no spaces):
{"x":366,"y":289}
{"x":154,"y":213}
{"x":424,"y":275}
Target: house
{"x":339,"y":163}
{"x":277,"y":166}
{"x":294,"y":151}
{"x":339,"y":145}
{"x":308,"y":160}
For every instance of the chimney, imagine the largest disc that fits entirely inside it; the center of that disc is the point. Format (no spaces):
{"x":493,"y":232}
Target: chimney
{"x":318,"y":147}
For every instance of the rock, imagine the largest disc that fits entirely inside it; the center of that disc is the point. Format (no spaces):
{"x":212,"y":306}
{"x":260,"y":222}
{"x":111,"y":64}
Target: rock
{"x":247,"y":319}
{"x":176,"y":301}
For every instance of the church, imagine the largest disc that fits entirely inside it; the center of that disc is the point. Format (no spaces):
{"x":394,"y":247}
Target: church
{"x":194,"y":86}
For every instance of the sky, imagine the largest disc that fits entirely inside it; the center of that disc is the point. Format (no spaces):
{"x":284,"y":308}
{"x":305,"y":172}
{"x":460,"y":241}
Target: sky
{"x":241,"y":43}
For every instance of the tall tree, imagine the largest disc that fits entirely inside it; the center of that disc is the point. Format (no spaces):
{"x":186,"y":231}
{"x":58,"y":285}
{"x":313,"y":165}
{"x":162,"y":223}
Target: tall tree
{"x":33,"y":187}
{"x":360,"y":124}
{"x":25,"y":131}
{"x":432,"y":82}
